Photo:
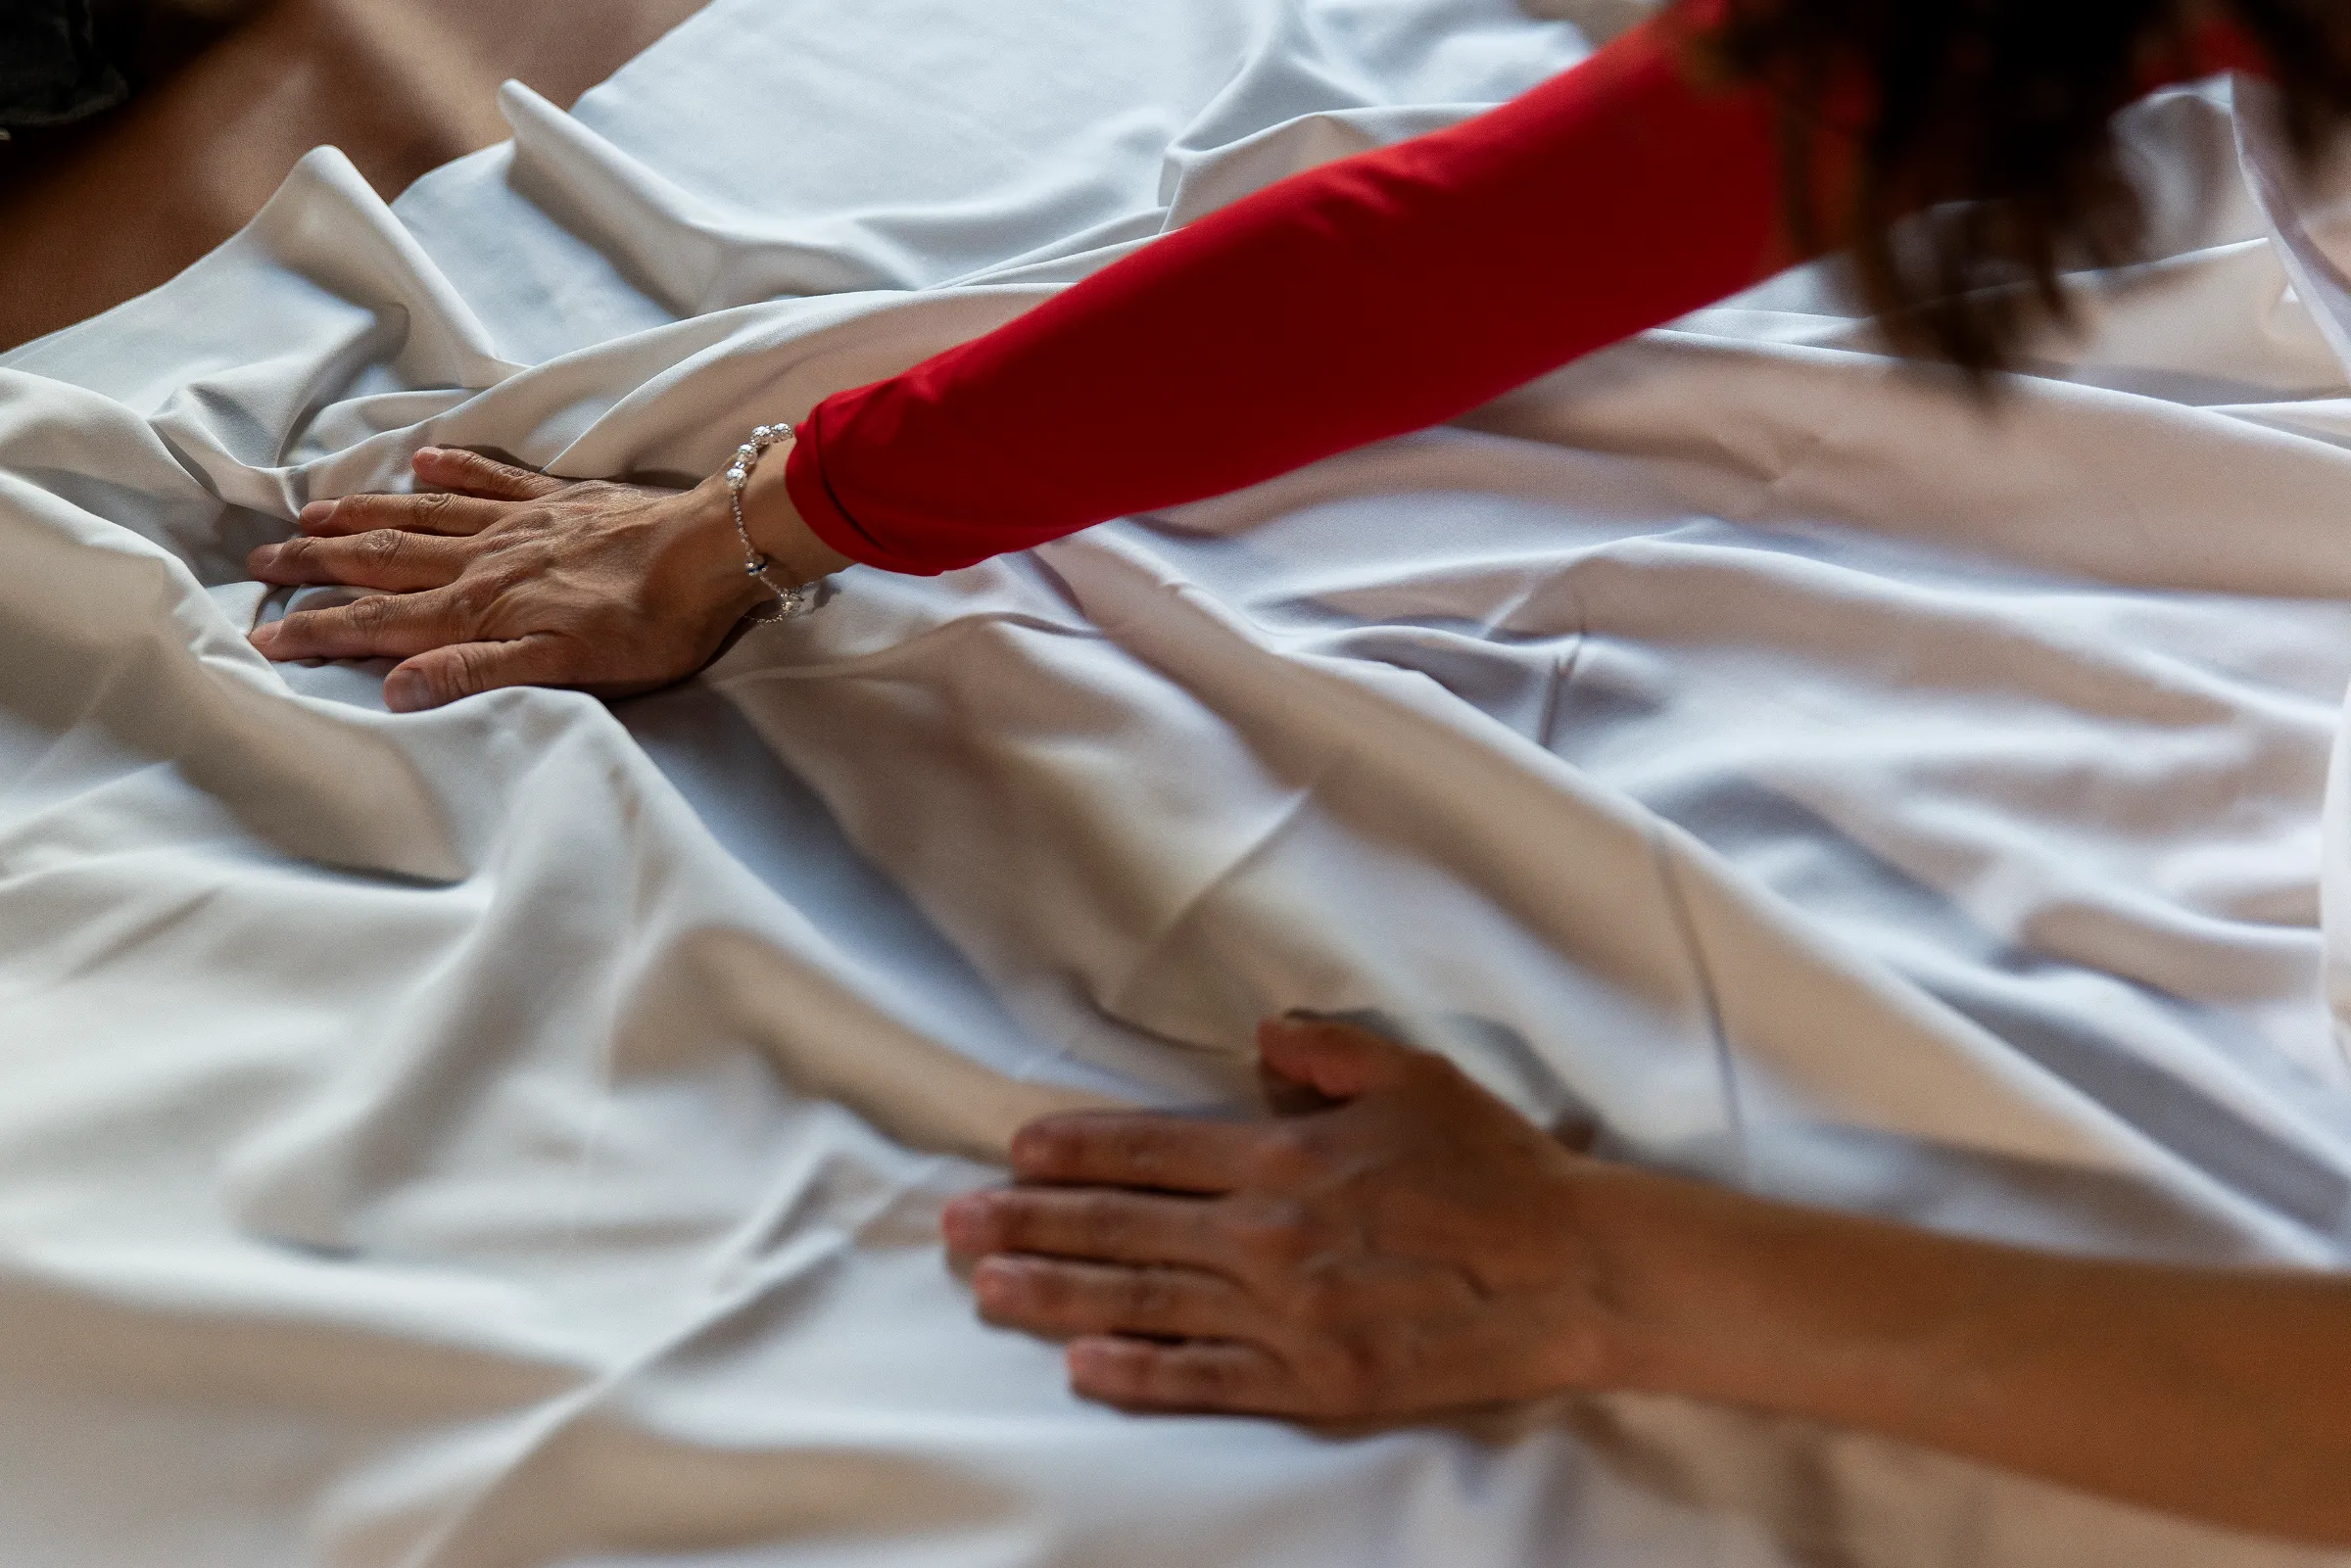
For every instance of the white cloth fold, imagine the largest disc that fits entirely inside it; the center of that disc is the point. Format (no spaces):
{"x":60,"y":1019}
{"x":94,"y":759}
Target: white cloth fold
{"x":513,"y":1134}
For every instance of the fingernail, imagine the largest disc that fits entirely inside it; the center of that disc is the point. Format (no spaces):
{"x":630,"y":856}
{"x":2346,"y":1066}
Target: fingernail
{"x":260,"y":637}
{"x":260,"y":556}
{"x":426,"y":454}
{"x":405,"y":691}
{"x":316,"y":511}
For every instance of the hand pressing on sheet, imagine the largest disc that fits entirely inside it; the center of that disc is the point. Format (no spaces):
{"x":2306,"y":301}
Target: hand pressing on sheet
{"x":497,"y":576}
{"x":1405,"y":1245}
{"x":1409,"y":1247}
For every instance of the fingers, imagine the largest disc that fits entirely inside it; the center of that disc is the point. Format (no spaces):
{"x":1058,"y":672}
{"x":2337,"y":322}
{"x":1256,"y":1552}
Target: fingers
{"x":430,"y":634}
{"x":382,"y":558}
{"x":470,"y":492}
{"x":472,"y":474}
{"x":1121,"y":1227}
{"x":1138,"y":1375}
{"x":1057,"y":1299}
{"x":431,"y":513}
{"x":1336,"y":1060}
{"x":1124,"y":1149}
{"x":441,"y":676}
{"x":381,"y":625}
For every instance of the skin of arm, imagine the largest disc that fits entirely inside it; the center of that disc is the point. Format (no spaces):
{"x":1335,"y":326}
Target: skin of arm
{"x":2217,"y":1394}
{"x":1413,"y":1246}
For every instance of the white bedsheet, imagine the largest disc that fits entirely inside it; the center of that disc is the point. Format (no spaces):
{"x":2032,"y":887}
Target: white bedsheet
{"x":511,"y":1135}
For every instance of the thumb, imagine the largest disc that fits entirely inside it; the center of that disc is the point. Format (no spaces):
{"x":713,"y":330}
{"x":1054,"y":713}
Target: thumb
{"x":469,"y":473}
{"x":441,"y":676}
{"x":1337,"y":1061}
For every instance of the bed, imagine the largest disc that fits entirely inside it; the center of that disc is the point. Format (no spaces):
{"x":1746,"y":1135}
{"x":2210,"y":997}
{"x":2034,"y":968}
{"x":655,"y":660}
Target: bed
{"x":512,"y":1135}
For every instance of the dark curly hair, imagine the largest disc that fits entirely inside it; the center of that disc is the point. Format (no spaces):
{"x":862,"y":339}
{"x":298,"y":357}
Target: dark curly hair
{"x":1985,"y":163}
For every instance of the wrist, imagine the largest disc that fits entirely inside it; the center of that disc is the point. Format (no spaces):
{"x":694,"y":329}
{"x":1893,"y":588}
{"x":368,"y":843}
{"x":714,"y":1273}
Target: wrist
{"x":1633,"y":1235}
{"x":775,"y":525}
{"x":716,"y":549}
{"x":1721,"y":1295}
{"x":1695,"y":1288}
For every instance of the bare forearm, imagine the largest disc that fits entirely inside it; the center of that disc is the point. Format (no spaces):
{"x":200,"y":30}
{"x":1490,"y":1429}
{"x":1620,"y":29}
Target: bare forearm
{"x":2216,"y":1394}
{"x":1420,"y":1247}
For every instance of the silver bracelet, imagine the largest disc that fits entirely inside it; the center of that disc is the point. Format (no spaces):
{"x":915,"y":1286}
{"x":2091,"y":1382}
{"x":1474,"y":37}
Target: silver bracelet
{"x":792,"y":599}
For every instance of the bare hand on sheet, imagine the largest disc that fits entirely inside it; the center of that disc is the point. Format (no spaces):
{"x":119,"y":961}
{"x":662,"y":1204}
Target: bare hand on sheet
{"x":505,"y":577}
{"x":1410,"y":1246}
{"x":1411,"y":1249}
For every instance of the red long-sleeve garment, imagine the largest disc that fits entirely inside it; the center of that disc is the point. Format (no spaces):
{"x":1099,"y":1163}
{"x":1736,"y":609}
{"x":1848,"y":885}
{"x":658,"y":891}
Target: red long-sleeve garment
{"x":1366,"y":297}
{"x":1372,"y":296}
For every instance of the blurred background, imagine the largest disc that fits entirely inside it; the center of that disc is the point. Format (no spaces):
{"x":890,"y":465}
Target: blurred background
{"x":141,"y":133}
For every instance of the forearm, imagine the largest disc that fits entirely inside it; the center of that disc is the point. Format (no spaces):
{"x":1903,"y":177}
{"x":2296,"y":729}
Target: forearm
{"x":1372,"y":296}
{"x":2218,"y":1394}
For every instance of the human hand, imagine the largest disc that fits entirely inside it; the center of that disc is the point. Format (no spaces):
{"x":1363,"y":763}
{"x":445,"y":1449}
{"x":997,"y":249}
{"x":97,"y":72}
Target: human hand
{"x":510,"y":576}
{"x":1421,"y":1248}
{"x":1414,"y":1249}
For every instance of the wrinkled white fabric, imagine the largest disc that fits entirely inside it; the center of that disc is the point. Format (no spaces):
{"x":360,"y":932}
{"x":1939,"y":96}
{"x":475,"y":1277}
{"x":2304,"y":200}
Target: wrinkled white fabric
{"x":512,"y":1135}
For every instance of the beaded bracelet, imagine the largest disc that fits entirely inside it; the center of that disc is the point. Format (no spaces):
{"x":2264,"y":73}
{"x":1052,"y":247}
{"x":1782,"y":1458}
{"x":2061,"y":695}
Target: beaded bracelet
{"x":792,"y":599}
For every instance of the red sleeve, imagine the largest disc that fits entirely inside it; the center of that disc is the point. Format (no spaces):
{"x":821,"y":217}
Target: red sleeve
{"x":1359,"y":300}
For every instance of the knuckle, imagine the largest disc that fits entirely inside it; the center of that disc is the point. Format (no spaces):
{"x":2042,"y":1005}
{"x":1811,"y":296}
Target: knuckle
{"x":1009,"y":1223}
{"x":441,"y":678}
{"x":1147,"y":1292}
{"x":472,"y":594}
{"x":381,"y":546}
{"x":1100,"y":1219}
{"x":1134,"y":1147}
{"x":369,"y":614}
{"x":532,"y":558}
{"x":342,"y":519}
{"x":360,"y":513}
{"x":1322,"y":1302}
{"x":1285,"y":1155}
{"x":1206,"y":1378}
{"x":463,"y":671}
{"x":299,"y":554}
{"x":1051,"y":1294}
{"x":476,"y":592}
